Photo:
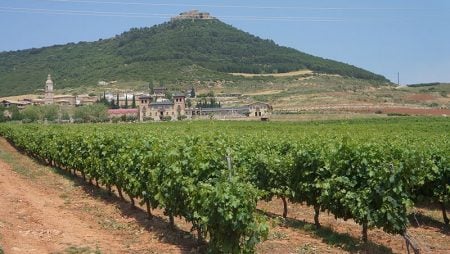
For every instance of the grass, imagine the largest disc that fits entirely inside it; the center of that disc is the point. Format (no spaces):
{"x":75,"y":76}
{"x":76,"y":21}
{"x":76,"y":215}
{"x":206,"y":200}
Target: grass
{"x":112,"y":224}
{"x":306,"y":249}
{"x":17,"y":167}
{"x":66,"y":198}
{"x":278,"y":236}
{"x":81,"y":250}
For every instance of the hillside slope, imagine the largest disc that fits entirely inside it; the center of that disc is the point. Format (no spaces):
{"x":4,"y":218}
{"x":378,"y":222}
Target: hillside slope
{"x":176,"y":50}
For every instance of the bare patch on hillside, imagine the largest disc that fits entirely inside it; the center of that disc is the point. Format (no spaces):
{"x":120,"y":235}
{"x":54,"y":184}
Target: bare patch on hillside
{"x":286,"y":74}
{"x":420,"y":97}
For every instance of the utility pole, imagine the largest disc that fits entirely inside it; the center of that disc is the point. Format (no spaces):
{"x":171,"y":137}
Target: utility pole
{"x":398,"y":78}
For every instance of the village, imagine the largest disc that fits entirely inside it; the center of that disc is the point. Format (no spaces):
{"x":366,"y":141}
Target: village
{"x":157,"y":104}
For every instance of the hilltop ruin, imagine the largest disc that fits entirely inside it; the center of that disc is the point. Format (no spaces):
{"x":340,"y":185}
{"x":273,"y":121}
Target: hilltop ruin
{"x":193,"y":14}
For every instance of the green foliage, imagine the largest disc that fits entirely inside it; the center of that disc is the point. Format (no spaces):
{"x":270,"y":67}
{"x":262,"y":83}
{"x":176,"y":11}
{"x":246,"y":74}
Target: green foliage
{"x":105,"y":101}
{"x":308,"y":174}
{"x":188,"y":102}
{"x":230,"y":209}
{"x":181,"y":50}
{"x":3,"y":118}
{"x":213,"y":173}
{"x":166,"y":118}
{"x":91,"y":113}
{"x":10,"y":113}
{"x":133,"y":102}
{"x":208,"y":103}
{"x":40,"y":113}
{"x":117,"y":105}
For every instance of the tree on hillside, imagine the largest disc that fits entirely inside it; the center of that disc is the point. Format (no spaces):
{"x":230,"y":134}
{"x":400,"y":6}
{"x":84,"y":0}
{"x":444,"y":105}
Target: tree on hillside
{"x":31,"y":114}
{"x":188,"y":103}
{"x":186,"y":51}
{"x":40,"y":113}
{"x":117,"y":102}
{"x":133,"y":103}
{"x":192,"y":92}
{"x":105,"y":102}
{"x":49,"y":112}
{"x":169,"y":95}
{"x":15,"y":113}
{"x":151,"y":87}
{"x":65,"y":115}
{"x":91,"y":113}
{"x":3,"y":118}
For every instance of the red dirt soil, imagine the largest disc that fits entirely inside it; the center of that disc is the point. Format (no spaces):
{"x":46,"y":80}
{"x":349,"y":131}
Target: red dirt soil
{"x":420,"y":97}
{"x":409,"y":111}
{"x":417,"y":111}
{"x":43,"y":212}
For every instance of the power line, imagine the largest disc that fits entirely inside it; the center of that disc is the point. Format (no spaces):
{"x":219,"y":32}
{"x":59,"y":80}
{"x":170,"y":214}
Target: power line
{"x":234,"y":6}
{"x":84,"y":13}
{"x":158,"y":15}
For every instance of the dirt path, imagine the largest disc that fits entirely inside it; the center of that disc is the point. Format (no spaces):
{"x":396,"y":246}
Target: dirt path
{"x":35,"y":220}
{"x":44,"y":212}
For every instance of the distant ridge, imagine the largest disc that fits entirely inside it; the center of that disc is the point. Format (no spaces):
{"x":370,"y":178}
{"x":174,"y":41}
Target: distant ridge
{"x":192,"y":46}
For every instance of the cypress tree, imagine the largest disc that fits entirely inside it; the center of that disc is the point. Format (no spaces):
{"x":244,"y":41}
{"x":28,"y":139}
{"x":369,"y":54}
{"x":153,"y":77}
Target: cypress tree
{"x":133,"y":103}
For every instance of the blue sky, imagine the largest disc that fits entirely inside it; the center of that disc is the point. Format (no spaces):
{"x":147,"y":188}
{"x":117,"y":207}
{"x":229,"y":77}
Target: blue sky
{"x":385,"y":36}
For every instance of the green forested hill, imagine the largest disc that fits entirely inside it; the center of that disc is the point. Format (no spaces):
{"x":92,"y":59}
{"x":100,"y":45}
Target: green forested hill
{"x":177,"y":50}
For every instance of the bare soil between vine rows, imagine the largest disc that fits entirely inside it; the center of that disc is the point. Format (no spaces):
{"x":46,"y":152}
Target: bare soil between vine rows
{"x":44,"y":210}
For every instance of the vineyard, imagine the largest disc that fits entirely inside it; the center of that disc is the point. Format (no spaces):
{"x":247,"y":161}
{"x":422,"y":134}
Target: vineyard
{"x":213,"y":174}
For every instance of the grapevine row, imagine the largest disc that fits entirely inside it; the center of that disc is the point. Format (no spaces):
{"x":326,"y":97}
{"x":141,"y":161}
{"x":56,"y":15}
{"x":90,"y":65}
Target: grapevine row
{"x":370,"y":178}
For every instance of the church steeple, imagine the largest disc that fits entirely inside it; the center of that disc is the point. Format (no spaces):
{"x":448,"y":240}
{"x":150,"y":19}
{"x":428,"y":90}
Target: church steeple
{"x":49,"y":90}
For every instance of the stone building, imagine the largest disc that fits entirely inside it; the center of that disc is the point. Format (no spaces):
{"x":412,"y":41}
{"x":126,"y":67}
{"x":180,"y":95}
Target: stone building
{"x":69,"y":100}
{"x":65,"y":100}
{"x":48,"y":98}
{"x":259,"y":109}
{"x":19,"y":104}
{"x":155,"y":107}
{"x":193,"y":14}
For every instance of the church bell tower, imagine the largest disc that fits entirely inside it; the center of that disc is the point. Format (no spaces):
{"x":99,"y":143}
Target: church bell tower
{"x":49,"y":90}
